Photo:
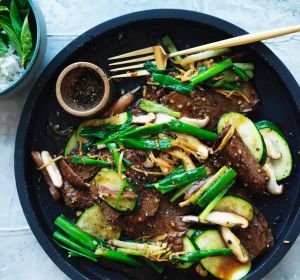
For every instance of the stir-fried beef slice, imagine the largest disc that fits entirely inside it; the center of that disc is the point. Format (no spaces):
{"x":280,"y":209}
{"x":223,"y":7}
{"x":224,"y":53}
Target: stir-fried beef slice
{"x":139,"y":179}
{"x":105,"y":155}
{"x":167,"y":221}
{"x":109,"y":213}
{"x":36,"y":156}
{"x":149,"y":204}
{"x":152,"y":93}
{"x":76,"y":198}
{"x":250,"y":92}
{"x":70,"y":175}
{"x":210,"y":103}
{"x":199,"y":104}
{"x":258,"y":236}
{"x":86,"y":172}
{"x":249,"y":171}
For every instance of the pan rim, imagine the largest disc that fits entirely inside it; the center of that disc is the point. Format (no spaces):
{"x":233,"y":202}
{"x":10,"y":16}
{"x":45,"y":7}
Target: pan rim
{"x":294,"y":227}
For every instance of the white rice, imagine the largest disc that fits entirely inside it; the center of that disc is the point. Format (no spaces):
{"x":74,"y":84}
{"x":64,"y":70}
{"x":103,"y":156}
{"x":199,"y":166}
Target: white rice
{"x":10,"y":69}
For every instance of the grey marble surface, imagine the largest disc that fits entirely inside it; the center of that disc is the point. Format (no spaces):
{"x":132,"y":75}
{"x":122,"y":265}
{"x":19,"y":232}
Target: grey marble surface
{"x":21,"y":257}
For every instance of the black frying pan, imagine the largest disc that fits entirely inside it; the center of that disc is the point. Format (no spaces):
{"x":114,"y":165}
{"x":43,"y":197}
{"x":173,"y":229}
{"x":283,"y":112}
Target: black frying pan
{"x":280,"y":102}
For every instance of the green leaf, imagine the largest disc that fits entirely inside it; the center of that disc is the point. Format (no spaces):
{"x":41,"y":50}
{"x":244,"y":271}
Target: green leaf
{"x":3,"y":47}
{"x":23,"y":8}
{"x":15,"y":18}
{"x":3,"y":9}
{"x":26,"y":41}
{"x":13,"y":39}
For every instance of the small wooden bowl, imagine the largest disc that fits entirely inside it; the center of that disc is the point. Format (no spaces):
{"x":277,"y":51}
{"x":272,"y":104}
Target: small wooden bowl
{"x":66,"y":80}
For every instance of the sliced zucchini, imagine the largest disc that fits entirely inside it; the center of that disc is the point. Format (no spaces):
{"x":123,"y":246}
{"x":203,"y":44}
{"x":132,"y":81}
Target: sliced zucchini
{"x":187,"y":247}
{"x":190,"y":232}
{"x":247,"y":131}
{"x":94,"y":222}
{"x":196,"y":234}
{"x":222,"y":267}
{"x":71,"y":144}
{"x":110,"y":185}
{"x":235,"y":205}
{"x":277,"y":144}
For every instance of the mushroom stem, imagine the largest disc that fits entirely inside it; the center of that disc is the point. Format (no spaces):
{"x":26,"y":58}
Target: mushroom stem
{"x":234,"y":244}
{"x":219,"y":218}
{"x":142,"y":119}
{"x":196,"y":122}
{"x":272,"y":185}
{"x":52,"y":169}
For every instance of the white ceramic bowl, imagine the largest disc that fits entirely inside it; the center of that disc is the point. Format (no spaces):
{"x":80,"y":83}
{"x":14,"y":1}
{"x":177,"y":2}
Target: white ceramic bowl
{"x":40,"y":47}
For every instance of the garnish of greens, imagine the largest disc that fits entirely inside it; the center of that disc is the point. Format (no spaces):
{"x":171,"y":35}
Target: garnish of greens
{"x":15,"y":30}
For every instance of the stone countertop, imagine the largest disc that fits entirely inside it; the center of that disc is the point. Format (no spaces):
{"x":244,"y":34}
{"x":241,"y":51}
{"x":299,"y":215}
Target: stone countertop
{"x":21,"y":256}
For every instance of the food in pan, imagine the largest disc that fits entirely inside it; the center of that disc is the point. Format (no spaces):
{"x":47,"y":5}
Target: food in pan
{"x":171,"y":176}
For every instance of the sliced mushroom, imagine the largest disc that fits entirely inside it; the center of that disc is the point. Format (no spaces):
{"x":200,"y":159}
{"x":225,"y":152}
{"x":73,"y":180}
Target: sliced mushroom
{"x":163,"y":164}
{"x":163,"y":118}
{"x":271,"y":150}
{"x":219,"y":218}
{"x":234,"y":244}
{"x":39,"y":163}
{"x":52,"y":169}
{"x":121,"y":104}
{"x":272,"y":185}
{"x":142,"y":119}
{"x":148,"y":163}
{"x":226,"y":219}
{"x":194,"y":144}
{"x":190,"y":219}
{"x":187,"y":161}
{"x":196,"y":122}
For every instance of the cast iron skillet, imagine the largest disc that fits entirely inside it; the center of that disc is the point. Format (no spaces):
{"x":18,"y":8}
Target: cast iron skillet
{"x":280,"y":102}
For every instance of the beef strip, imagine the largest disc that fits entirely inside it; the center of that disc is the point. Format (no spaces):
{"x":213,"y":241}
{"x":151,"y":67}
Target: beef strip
{"x":70,"y":175}
{"x":257,"y":237}
{"x":152,"y":93}
{"x":86,"y":172}
{"x":109,"y":213}
{"x":149,"y":197}
{"x":210,"y":103}
{"x":76,"y":198}
{"x":149,"y":205}
{"x":249,"y":171}
{"x":167,"y":220}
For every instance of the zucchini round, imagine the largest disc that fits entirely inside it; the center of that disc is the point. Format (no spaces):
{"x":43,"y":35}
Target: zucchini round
{"x":283,"y":165}
{"x":235,"y":205}
{"x":111,"y":183}
{"x":71,"y":144}
{"x":222,"y":267}
{"x":94,"y":222}
{"x":187,"y":247}
{"x":190,"y":232}
{"x":247,"y":131}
